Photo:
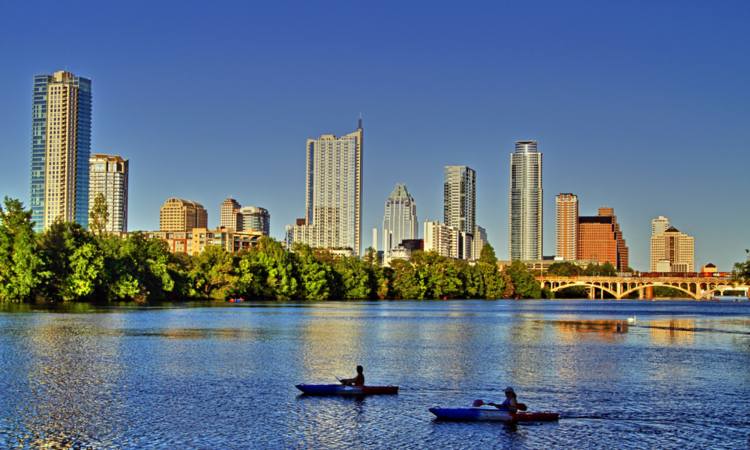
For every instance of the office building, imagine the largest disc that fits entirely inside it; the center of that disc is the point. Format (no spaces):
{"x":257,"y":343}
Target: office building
{"x":333,"y":193}
{"x":479,"y":240}
{"x":182,"y":215}
{"x":659,"y":225}
{"x":600,"y":240}
{"x":672,"y":251}
{"x":525,"y":202}
{"x":399,"y":219}
{"x":229,"y":215}
{"x":442,"y":239}
{"x":567,"y":226}
{"x":255,"y":219}
{"x":460,"y":198}
{"x":60,"y":148}
{"x":108,"y":176}
{"x":194,"y":241}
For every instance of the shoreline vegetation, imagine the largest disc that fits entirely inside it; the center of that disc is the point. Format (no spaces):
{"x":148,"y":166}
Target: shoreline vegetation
{"x":67,"y":263}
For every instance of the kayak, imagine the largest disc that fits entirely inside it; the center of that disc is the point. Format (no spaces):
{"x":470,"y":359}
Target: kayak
{"x":340,"y":389}
{"x":489,"y":414}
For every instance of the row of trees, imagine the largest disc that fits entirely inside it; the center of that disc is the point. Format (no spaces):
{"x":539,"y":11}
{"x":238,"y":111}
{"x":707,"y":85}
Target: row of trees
{"x":69,"y":263}
{"x":742,"y":269}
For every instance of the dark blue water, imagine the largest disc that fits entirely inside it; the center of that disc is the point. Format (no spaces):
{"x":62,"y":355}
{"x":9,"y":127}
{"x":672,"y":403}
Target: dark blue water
{"x":224,"y":377}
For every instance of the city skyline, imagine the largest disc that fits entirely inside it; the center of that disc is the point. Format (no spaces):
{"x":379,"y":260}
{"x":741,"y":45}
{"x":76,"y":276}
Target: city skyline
{"x":590,"y":114}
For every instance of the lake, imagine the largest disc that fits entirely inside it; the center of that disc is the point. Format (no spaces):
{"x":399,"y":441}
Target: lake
{"x":223,"y":377}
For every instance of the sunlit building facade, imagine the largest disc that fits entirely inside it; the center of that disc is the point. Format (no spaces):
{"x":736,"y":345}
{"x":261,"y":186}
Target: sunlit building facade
{"x":108,"y":176}
{"x":333,"y":193}
{"x":60,"y":149}
{"x":229,"y":215}
{"x":525,"y":202}
{"x":460,"y":198}
{"x":600,"y":240}
{"x":672,"y":251}
{"x":177,"y":214}
{"x":567,"y":226}
{"x":255,"y":219}
{"x":399,"y":219}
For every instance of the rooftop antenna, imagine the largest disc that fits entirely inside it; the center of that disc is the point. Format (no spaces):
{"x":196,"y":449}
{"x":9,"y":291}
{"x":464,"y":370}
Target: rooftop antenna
{"x":359,"y":122}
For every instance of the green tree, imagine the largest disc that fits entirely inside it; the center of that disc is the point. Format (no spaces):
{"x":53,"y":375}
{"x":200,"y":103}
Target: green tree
{"x":99,"y":215}
{"x":487,"y":255}
{"x":316,"y":275}
{"x":21,"y":267}
{"x":212,"y":273}
{"x":279,"y":267}
{"x":355,"y":278}
{"x":404,"y":283}
{"x":742,"y":269}
{"x":525,"y":285}
{"x":564,"y":269}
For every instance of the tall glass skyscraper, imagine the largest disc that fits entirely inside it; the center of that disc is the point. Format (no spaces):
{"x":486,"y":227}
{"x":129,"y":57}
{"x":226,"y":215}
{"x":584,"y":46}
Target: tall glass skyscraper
{"x":333,"y":193}
{"x":60,"y":148}
{"x":460,"y":198}
{"x":399,"y":219}
{"x":525,"y":205}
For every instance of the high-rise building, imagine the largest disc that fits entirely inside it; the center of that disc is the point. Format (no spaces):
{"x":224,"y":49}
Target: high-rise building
{"x":182,"y":215}
{"x":672,"y":250}
{"x":229,"y":215}
{"x":442,"y":239}
{"x":255,"y":219}
{"x":460,"y":198}
{"x":567,"y":226}
{"x":479,"y":241}
{"x":525,"y":203}
{"x":600,"y":240}
{"x":61,"y":143}
{"x":333,"y":193}
{"x":108,"y":176}
{"x":400,"y":218}
{"x":659,"y":225}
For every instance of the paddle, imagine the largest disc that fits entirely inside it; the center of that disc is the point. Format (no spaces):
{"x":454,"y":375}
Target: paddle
{"x":479,"y":402}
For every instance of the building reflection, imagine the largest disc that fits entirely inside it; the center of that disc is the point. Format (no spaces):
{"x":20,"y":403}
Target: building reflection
{"x":73,"y":380}
{"x":672,"y":331}
{"x":600,"y":329}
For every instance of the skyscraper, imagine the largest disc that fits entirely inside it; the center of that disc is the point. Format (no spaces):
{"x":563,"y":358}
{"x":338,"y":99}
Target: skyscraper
{"x":400,"y":218}
{"x":525,"y":205}
{"x":600,"y":240}
{"x":659,"y":225}
{"x":255,"y":219}
{"x":108,"y":176}
{"x":177,"y":214}
{"x":460,"y":198}
{"x":671,"y":249}
{"x":61,"y":143}
{"x":229,"y":215}
{"x":333,"y":192}
{"x":567,"y":226}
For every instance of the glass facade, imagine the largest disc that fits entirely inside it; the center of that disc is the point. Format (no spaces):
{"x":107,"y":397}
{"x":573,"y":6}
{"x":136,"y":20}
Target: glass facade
{"x":40,"y":147}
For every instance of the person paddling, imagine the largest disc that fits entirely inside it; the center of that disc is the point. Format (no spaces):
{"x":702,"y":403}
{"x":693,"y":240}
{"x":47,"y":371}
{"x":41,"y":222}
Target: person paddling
{"x":510,"y":403}
{"x":358,"y":380}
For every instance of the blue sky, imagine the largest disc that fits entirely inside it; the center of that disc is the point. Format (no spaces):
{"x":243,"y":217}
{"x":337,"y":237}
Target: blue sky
{"x":639,"y":105}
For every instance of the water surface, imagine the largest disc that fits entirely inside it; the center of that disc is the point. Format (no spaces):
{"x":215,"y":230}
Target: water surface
{"x":223,"y":377}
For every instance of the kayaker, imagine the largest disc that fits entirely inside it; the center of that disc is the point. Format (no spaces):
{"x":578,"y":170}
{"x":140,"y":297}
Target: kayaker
{"x":511,"y":402}
{"x":359,"y":380}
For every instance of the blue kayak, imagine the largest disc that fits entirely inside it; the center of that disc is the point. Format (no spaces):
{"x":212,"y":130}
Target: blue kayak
{"x":491,"y":414}
{"x":340,"y":389}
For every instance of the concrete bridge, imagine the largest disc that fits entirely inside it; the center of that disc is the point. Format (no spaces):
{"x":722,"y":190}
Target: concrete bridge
{"x":621,"y":287}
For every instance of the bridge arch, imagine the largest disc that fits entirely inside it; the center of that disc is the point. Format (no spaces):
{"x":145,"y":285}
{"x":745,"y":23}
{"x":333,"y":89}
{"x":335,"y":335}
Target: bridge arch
{"x":560,"y":287}
{"x":677,"y":288}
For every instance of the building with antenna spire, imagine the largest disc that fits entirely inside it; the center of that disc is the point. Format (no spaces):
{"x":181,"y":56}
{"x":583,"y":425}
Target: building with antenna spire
{"x":333,"y":193}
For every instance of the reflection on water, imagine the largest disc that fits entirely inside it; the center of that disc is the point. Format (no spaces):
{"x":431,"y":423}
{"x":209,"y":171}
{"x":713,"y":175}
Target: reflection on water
{"x":224,"y":377}
{"x":672,"y":331}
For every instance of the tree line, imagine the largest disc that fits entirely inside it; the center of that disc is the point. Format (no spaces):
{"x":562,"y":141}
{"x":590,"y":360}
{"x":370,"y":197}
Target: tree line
{"x":68,"y":263}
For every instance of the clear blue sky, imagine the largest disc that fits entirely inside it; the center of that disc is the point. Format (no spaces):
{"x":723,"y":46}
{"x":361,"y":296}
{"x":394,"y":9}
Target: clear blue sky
{"x":643,"y":106}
